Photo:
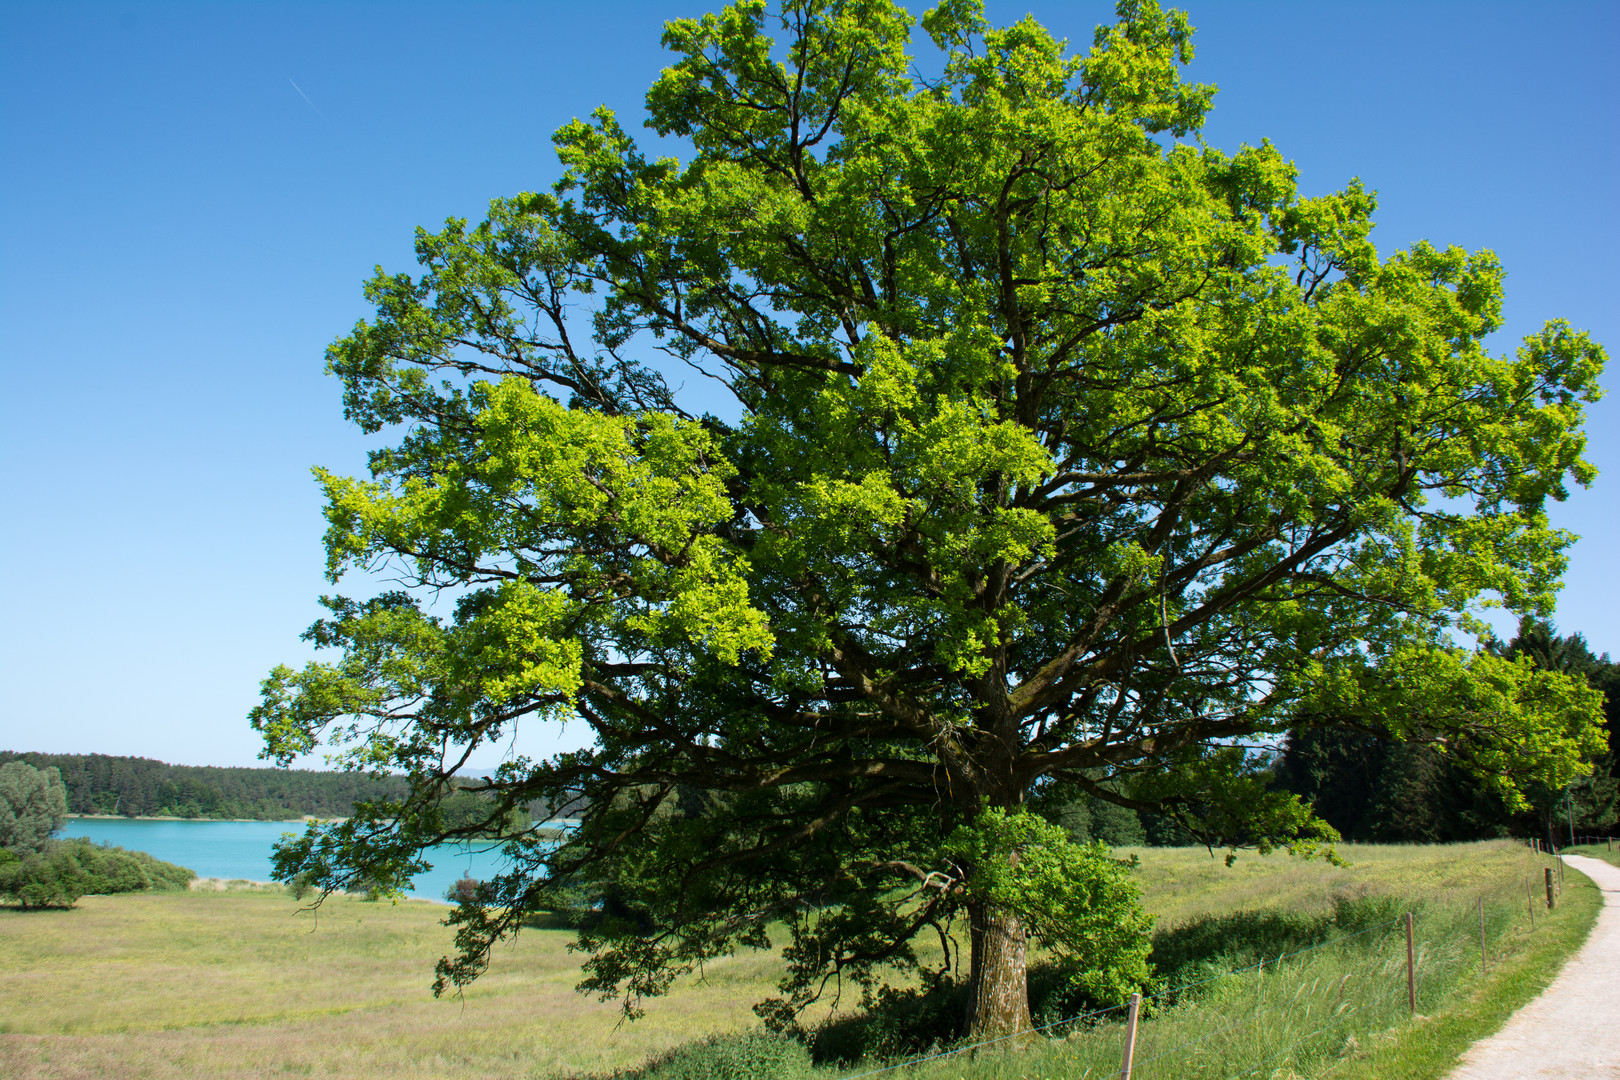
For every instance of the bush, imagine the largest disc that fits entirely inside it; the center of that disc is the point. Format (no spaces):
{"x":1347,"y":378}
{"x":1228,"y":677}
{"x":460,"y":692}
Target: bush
{"x":463,"y":890}
{"x":69,"y":869}
{"x":754,"y":1055}
{"x":44,"y":879}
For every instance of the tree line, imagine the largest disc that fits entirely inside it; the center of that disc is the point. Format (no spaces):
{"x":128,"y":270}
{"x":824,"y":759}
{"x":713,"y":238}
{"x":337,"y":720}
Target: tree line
{"x":1376,"y":789}
{"x":144,"y":787}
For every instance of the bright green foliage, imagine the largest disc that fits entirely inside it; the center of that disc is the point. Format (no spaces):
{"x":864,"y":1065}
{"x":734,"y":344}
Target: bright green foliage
{"x":1537,"y":723}
{"x":33,"y":805}
{"x":1073,"y":899}
{"x":1060,"y":449}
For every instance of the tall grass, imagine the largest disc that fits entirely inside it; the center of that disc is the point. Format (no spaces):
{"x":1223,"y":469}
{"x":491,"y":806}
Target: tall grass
{"x":1293,"y":988}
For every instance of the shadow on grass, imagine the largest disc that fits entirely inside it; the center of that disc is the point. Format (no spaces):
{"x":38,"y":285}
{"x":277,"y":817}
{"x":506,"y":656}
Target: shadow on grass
{"x":1201,"y":948}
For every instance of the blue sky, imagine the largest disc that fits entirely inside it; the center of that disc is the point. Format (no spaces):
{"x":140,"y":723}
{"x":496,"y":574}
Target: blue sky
{"x":192,"y":194}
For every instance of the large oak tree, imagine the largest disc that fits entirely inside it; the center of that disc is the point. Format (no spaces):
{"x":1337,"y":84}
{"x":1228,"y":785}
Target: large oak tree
{"x":1062,"y":452}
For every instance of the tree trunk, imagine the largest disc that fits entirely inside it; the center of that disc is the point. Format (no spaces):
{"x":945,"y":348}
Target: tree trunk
{"x":998,"y":982}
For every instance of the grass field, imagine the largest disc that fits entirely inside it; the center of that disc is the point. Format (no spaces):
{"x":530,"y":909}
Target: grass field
{"x":1608,"y":853}
{"x":238,"y":984}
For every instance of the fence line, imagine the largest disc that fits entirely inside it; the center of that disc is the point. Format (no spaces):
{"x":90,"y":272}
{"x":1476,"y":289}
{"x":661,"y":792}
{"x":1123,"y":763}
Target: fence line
{"x":1343,"y":1013}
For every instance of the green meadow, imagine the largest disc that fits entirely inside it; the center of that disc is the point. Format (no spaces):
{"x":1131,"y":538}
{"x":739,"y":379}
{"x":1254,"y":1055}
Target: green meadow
{"x":1300,"y":966}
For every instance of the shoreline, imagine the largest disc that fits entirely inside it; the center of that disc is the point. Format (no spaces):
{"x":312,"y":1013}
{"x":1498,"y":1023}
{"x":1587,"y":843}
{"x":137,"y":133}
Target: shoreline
{"x":222,"y":884}
{"x":304,"y":819}
{"x":555,"y":829}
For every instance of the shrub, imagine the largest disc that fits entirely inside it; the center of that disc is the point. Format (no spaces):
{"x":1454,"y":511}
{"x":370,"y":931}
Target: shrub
{"x":44,"y":879}
{"x":68,"y":869}
{"x":463,"y":890}
{"x":754,"y":1055}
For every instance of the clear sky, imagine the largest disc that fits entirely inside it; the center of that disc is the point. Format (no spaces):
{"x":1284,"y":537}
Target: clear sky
{"x":192,"y":194}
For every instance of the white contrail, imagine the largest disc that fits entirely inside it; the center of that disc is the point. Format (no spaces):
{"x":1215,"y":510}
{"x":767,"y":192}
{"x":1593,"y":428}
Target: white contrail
{"x":305,"y":96}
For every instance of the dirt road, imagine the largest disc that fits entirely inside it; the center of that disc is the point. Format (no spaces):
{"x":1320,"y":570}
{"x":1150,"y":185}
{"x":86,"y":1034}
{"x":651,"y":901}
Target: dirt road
{"x":1573,"y":1029}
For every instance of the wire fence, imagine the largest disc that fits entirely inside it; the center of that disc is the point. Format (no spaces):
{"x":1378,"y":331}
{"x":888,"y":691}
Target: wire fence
{"x":1304,"y":1008}
{"x":1588,"y":840}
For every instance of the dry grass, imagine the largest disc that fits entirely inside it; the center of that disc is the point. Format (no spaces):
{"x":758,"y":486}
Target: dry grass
{"x":237,"y":984}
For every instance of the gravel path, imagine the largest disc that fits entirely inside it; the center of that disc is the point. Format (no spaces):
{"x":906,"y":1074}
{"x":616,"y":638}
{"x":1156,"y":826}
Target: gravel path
{"x":1573,"y":1029}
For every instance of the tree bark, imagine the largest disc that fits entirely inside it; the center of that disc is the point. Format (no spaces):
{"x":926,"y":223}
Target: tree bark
{"x":998,"y":981}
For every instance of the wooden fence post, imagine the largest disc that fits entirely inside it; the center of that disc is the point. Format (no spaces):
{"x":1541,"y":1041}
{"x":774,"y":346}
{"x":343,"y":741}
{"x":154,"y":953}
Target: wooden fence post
{"x":1550,"y":899}
{"x":1484,"y":962}
{"x":1130,"y":1037}
{"x":1411,"y":968}
{"x":1530,"y":899}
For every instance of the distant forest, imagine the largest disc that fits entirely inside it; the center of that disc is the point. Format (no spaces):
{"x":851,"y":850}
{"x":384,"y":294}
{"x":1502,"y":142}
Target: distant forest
{"x":1375,"y":789}
{"x":142,"y":787}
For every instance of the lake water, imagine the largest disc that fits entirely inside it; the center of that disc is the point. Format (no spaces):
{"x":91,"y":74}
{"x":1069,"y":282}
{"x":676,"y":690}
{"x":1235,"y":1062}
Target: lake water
{"x":241,"y":849}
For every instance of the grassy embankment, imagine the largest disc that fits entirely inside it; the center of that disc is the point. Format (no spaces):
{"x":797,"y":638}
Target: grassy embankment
{"x":236,"y":985}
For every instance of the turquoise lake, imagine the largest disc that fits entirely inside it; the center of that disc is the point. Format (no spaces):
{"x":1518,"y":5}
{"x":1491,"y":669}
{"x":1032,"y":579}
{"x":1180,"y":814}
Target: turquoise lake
{"x":241,"y":849}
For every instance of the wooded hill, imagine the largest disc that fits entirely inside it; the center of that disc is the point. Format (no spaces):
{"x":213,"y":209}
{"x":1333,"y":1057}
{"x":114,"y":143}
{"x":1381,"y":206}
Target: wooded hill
{"x":143,"y":787}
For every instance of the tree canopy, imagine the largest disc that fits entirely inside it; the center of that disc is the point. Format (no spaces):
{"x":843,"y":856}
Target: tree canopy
{"x":33,"y":805}
{"x":1061,"y":454}
{"x":1369,"y":787}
